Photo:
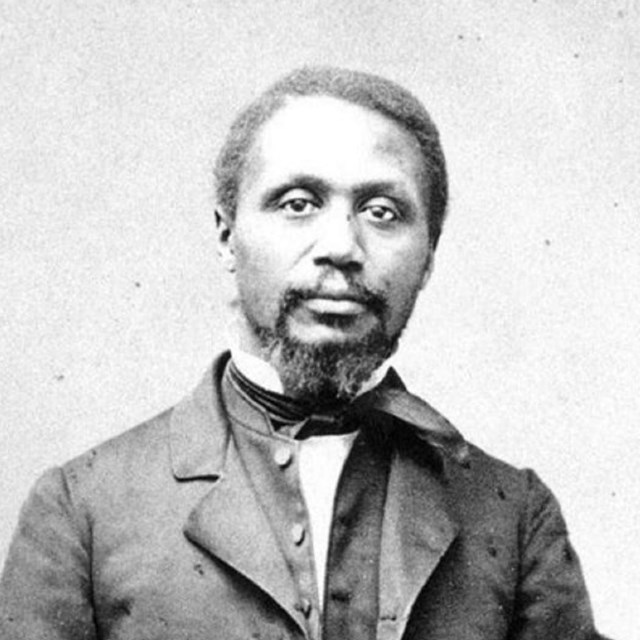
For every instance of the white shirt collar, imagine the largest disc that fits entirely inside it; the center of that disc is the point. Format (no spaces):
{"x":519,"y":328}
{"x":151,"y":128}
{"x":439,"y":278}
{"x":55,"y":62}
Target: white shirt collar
{"x":260,"y":372}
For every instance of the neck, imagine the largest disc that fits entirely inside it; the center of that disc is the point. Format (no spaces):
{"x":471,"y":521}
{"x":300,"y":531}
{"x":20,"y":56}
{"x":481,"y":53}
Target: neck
{"x":258,"y":370}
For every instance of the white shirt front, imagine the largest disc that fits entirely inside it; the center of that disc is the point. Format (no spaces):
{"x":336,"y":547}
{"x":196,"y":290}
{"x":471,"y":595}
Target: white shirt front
{"x":320,"y":460}
{"x":320,"y":463}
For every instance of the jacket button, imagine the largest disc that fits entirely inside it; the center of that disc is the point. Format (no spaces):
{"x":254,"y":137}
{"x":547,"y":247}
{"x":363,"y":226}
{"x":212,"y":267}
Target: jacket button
{"x":297,"y":533}
{"x":282,"y":456}
{"x":304,"y":606}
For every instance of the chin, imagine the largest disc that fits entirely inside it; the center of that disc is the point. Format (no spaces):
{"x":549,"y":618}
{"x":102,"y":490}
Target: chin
{"x":337,"y":332}
{"x":320,"y":363}
{"x":327,"y":339}
{"x":328,"y":358}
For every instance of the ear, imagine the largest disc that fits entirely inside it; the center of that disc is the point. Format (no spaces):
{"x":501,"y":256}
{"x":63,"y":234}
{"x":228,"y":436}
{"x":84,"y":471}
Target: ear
{"x":225,"y":240}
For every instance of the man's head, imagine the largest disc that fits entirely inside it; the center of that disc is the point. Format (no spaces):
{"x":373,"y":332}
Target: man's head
{"x":326,"y":191}
{"x":359,"y":88}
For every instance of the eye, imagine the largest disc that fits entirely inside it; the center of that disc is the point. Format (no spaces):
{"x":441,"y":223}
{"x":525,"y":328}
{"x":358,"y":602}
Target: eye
{"x":298,"y":206}
{"x":382,"y":211}
{"x":298,"y":203}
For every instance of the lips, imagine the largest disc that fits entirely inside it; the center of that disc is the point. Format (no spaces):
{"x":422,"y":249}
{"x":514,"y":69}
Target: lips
{"x":346,"y":300}
{"x":335,"y":305}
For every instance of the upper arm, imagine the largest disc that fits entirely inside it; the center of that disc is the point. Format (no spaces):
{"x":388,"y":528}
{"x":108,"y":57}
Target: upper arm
{"x":45,"y":589}
{"x":552,"y":600}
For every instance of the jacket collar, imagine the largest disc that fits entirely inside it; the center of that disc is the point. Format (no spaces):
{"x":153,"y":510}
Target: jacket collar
{"x":228,"y":522}
{"x":199,"y":432}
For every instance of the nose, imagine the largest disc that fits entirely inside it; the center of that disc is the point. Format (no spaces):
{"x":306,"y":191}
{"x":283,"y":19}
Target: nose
{"x":338,"y":241}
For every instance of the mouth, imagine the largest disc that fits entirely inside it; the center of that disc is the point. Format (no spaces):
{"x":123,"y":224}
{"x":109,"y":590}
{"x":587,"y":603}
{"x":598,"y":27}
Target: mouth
{"x":328,"y":314}
{"x":344,"y":306}
{"x":335,"y":305}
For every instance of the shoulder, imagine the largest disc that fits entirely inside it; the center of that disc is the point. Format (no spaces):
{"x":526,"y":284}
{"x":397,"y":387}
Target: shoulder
{"x":56,"y":520}
{"x":72,"y":491}
{"x":196,"y":422}
{"x":488,"y":474}
{"x":137,"y":448}
{"x":145,"y":458}
{"x":491,"y":493}
{"x":487,"y":471}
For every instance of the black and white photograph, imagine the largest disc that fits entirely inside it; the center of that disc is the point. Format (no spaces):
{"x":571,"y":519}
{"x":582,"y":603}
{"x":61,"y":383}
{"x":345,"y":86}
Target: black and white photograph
{"x":320,"y":320}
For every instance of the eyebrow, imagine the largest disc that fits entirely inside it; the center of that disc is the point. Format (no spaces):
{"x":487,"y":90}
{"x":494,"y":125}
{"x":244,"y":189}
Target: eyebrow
{"x":384,"y":187}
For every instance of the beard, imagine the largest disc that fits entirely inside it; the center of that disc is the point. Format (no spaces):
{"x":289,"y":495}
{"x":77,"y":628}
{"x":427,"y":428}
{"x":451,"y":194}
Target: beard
{"x":323,"y":373}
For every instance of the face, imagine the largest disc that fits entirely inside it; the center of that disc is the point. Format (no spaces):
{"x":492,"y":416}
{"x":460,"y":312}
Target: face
{"x":330,"y":233}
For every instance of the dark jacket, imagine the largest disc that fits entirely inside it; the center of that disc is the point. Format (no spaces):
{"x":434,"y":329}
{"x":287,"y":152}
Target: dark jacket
{"x":157,"y":534}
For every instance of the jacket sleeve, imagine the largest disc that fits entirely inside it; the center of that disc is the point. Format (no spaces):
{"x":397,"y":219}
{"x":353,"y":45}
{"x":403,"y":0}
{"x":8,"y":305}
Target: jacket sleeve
{"x":45,"y":589}
{"x":552,"y":602}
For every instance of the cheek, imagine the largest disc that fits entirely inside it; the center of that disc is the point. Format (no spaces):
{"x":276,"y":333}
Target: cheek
{"x":269,"y":251}
{"x":263,"y":271}
{"x":404,"y":278}
{"x":254,"y":251}
{"x":401,"y":266}
{"x":404,"y":289}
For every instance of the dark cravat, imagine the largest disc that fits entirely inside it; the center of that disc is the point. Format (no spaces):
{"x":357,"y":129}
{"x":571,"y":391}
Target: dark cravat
{"x":302,"y":420}
{"x":295,"y":418}
{"x":423,"y":420}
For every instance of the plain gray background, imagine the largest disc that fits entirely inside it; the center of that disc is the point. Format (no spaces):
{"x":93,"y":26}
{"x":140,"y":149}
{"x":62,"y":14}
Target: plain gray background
{"x":112,"y":302}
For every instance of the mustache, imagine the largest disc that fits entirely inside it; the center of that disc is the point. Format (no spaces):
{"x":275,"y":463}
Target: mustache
{"x":357,"y":291}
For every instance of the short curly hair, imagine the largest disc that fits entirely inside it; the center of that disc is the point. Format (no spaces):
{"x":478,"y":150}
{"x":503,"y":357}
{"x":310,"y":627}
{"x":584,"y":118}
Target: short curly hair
{"x":364,"y":89}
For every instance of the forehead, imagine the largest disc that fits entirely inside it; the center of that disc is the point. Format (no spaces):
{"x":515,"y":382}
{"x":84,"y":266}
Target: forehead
{"x":327,"y":135}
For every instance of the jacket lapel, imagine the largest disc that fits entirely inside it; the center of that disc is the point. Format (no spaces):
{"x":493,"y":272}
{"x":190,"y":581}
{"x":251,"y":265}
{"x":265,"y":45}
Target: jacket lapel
{"x":228,"y":522}
{"x":417,"y":530}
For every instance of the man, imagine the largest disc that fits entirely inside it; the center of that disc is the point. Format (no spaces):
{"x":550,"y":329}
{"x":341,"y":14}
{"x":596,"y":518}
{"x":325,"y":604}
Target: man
{"x":301,"y":492}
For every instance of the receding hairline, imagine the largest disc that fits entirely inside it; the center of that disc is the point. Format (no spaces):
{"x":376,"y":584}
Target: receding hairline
{"x":371,"y":92}
{"x":288,"y":100}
